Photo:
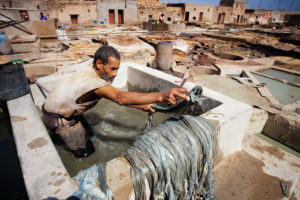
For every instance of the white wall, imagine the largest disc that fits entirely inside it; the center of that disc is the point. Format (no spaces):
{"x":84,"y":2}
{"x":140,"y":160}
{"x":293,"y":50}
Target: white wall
{"x":129,"y":8}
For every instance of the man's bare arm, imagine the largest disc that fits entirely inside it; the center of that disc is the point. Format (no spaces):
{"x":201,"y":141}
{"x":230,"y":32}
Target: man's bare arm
{"x":134,"y":98}
{"x":143,"y":107}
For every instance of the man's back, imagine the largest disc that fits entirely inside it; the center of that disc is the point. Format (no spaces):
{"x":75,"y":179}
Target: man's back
{"x":63,"y":99}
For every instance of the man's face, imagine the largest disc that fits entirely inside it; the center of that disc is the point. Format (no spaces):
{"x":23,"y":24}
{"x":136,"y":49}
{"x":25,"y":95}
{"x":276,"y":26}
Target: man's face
{"x":109,"y":71}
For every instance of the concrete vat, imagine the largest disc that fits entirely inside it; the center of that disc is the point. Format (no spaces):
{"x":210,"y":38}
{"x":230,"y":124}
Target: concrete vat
{"x":43,"y":170}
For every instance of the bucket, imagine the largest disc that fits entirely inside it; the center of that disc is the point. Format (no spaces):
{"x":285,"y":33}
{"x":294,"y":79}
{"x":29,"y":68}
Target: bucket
{"x":164,"y":55}
{"x":61,"y":35}
{"x":5,"y":47}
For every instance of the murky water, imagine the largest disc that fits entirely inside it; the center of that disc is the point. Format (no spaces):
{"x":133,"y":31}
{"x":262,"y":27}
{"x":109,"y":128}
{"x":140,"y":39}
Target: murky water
{"x":12,"y":184}
{"x":282,"y":75}
{"x":284,"y":93}
{"x":114,"y":129}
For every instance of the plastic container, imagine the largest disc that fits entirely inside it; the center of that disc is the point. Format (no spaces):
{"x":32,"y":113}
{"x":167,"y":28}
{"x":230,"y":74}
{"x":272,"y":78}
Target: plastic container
{"x":164,"y":55}
{"x":5,"y":46}
{"x":61,"y":35}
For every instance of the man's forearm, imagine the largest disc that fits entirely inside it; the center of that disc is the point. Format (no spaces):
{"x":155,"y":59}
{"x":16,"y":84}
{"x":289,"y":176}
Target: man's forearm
{"x":134,"y":98}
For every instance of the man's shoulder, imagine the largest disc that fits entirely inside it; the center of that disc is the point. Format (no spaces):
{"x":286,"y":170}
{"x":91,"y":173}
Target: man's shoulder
{"x":87,"y":76}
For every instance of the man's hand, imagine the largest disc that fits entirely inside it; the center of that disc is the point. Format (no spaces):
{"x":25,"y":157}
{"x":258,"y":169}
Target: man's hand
{"x":171,"y":96}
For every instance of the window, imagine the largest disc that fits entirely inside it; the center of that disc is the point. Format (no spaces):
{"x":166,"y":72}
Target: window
{"x":194,"y":18}
{"x":150,"y":16}
{"x":24,"y":15}
{"x":194,"y":9}
{"x":169,"y":19}
{"x":208,"y":10}
{"x":74,"y":19}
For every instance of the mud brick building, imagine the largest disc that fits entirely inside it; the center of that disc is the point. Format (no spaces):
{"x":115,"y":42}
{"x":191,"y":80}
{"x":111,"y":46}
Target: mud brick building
{"x":22,"y":10}
{"x":230,"y":11}
{"x":86,"y":12}
{"x":117,"y":11}
{"x":72,"y":11}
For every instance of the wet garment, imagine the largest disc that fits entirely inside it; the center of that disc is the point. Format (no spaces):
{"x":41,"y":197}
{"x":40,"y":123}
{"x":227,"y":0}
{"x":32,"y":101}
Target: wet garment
{"x":71,"y":132}
{"x":61,"y":109}
{"x":197,"y":105}
{"x":63,"y":99}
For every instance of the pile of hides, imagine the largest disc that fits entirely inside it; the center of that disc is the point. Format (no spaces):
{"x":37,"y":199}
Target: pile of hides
{"x":176,"y":157}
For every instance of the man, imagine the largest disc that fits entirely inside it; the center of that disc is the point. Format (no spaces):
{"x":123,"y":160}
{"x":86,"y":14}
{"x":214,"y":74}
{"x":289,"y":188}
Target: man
{"x":161,"y":18}
{"x":82,"y":90}
{"x":43,"y":17}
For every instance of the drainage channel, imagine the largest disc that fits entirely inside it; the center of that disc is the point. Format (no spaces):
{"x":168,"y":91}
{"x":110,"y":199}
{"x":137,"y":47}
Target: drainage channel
{"x":278,"y":144}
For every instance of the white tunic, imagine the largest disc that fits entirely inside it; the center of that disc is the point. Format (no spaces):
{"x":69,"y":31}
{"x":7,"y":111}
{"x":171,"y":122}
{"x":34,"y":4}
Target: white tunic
{"x":62,"y":99}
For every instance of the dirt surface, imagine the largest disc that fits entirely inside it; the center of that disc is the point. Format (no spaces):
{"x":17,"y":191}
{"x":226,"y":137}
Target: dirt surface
{"x":125,"y":41}
{"x":240,"y":176}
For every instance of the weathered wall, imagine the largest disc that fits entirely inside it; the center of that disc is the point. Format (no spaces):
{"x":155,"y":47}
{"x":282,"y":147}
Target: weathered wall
{"x":174,"y":14}
{"x":258,"y":16}
{"x":129,"y":8}
{"x":249,"y":17}
{"x":276,"y":15}
{"x":238,"y":12}
{"x":12,"y":9}
{"x":222,"y":9}
{"x":150,"y":10}
{"x":63,"y":10}
{"x":196,"y":9}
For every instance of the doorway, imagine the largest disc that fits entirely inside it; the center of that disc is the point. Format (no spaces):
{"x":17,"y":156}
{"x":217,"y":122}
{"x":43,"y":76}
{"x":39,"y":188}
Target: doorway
{"x":238,"y":19}
{"x":24,"y":15}
{"x":120,"y":17}
{"x":74,"y":19}
{"x":187,"y":16}
{"x":221,"y":18}
{"x":111,"y":16}
{"x":201,"y":16}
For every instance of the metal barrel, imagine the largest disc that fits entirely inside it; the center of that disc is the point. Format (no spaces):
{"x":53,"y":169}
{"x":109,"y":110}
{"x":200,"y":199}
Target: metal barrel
{"x":164,"y":55}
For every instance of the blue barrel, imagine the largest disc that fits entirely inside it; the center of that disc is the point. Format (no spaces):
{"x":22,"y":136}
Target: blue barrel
{"x":164,"y":55}
{"x":5,"y":47}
